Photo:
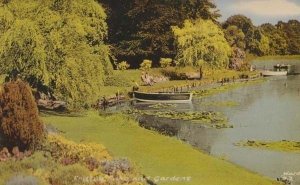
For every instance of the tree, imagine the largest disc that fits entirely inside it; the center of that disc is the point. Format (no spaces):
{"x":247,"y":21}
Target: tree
{"x":235,"y":37}
{"x":292,"y":32}
{"x":19,"y":120}
{"x":142,"y":28}
{"x":240,"y":21}
{"x":205,"y":9}
{"x":256,"y":42}
{"x":277,"y":38}
{"x":201,"y":42}
{"x":22,"y":51}
{"x":58,"y":46}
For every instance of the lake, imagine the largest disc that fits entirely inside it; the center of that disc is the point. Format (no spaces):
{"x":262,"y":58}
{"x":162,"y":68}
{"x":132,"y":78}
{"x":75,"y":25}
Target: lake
{"x":266,"y":111}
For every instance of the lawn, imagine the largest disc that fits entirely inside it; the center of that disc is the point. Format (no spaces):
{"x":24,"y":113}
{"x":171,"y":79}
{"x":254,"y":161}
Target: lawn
{"x":155,"y":155}
{"x":278,"y":57}
{"x":135,"y":76}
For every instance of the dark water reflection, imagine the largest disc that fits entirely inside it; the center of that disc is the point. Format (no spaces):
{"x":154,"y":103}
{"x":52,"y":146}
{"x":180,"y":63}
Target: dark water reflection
{"x":267,"y":111}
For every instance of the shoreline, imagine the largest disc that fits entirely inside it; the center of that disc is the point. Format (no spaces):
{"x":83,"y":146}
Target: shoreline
{"x":154,"y":154}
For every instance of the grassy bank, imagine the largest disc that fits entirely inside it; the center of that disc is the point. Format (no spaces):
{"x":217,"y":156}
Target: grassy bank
{"x":284,"y":146}
{"x":210,"y":76}
{"x":226,"y":87}
{"x":276,"y":57}
{"x":156,"y":155}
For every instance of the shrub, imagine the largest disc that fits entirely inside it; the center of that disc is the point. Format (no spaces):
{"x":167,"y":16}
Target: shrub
{"x":20,"y":123}
{"x":22,"y":180}
{"x":62,"y":149}
{"x":118,"y":81}
{"x":165,"y":62}
{"x":113,"y":166}
{"x":146,"y":65}
{"x":123,"y":66}
{"x":73,"y":174}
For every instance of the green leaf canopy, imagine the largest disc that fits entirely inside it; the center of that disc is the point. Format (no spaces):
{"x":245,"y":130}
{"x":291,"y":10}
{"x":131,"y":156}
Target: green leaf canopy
{"x":56,"y":45}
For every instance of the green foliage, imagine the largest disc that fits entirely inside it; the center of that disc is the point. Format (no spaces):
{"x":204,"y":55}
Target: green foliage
{"x":241,"y":22}
{"x":6,"y":19}
{"x":57,"y":46}
{"x":123,"y":66}
{"x":255,"y":41}
{"x":235,"y":37}
{"x":165,"y":62}
{"x":20,"y":123}
{"x":201,"y":42}
{"x":22,"y":51}
{"x":62,"y":148}
{"x":292,"y":31}
{"x":266,"y":39}
{"x":73,"y":174}
{"x":146,"y":65}
{"x":277,"y":39}
{"x":263,"y":45}
{"x":142,"y":29}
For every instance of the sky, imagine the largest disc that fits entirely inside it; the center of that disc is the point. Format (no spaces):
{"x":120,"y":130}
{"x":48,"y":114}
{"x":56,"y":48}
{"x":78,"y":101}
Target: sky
{"x":260,"y":11}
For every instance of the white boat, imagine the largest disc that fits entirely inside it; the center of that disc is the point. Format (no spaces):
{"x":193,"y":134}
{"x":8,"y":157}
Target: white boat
{"x":274,"y":73}
{"x":163,"y":97}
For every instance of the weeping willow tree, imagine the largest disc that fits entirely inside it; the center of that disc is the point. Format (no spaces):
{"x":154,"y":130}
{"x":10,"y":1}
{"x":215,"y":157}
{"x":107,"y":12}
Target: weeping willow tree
{"x":57,"y":46}
{"x":201,"y":42}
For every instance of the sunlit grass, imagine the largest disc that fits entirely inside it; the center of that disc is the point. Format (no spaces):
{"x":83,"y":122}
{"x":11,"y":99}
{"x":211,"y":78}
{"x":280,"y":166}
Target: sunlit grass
{"x":277,"y":57}
{"x":156,"y":155}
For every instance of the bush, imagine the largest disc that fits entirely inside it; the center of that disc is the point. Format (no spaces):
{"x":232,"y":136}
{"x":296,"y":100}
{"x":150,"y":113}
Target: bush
{"x":73,"y":174}
{"x":146,"y":65}
{"x":20,"y":123}
{"x":118,"y":81}
{"x":165,"y":62}
{"x":113,"y":166}
{"x":22,"y":180}
{"x":62,"y":149}
{"x":123,"y":66}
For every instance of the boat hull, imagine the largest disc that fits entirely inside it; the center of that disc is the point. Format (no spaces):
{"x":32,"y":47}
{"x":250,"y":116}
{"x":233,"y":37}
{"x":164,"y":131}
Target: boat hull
{"x":163,"y":97}
{"x":274,"y":73}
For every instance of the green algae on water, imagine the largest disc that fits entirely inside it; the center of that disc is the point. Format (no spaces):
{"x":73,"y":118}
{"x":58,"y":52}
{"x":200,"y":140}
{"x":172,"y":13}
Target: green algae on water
{"x":209,"y":118}
{"x":162,"y":106}
{"x":284,"y":145}
{"x":221,"y":103}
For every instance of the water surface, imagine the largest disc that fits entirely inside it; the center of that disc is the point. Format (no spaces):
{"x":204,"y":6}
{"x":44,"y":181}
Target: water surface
{"x":266,"y":111}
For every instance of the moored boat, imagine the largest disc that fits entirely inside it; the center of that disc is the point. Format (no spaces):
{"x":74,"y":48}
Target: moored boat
{"x":163,"y":97}
{"x":285,"y":67}
{"x":274,"y":73}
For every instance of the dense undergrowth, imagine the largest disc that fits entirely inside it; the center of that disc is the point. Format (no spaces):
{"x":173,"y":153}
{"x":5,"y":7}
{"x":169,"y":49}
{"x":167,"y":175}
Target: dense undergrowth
{"x":64,"y":162}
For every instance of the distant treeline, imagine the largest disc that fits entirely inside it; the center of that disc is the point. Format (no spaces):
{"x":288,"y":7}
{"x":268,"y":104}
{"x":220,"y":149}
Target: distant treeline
{"x":140,"y":29}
